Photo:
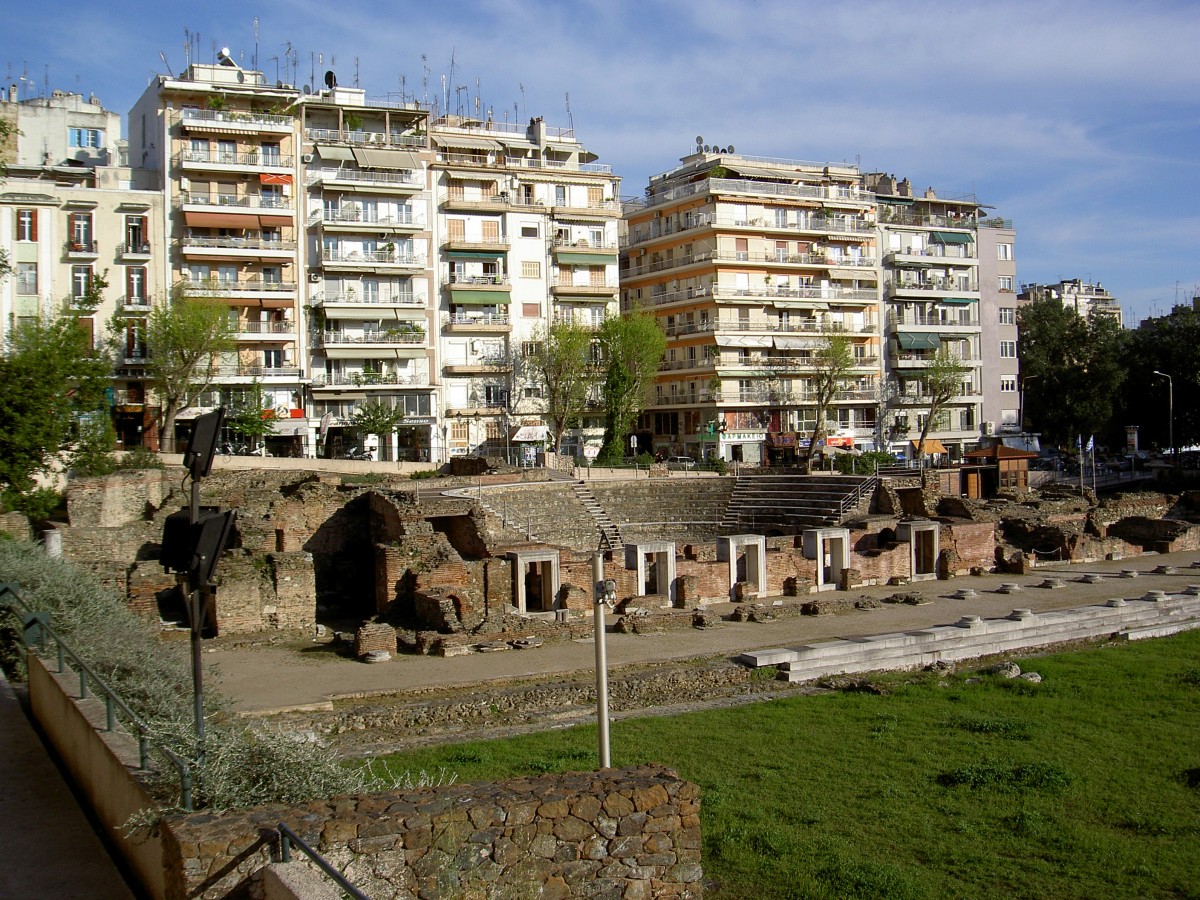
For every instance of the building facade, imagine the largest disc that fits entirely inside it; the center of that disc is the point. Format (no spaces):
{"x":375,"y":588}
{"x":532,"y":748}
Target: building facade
{"x":1002,"y":388}
{"x":1075,"y":293}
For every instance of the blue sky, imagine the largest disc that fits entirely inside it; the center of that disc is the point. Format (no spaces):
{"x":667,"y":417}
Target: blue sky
{"x":1078,"y":120}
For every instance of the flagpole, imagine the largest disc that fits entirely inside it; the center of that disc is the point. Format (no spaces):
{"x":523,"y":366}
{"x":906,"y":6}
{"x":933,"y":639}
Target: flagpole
{"x":1079,"y":447}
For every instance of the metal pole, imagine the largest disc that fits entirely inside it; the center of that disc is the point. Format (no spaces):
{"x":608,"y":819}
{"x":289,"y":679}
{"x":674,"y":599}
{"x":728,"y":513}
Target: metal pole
{"x":1170,"y":413}
{"x":196,"y":596}
{"x":601,"y":659}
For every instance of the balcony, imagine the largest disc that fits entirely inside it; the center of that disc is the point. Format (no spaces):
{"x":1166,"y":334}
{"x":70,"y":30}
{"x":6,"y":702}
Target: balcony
{"x":484,"y":365}
{"x":463,"y":323}
{"x":135,"y":305}
{"x":956,"y":255}
{"x":268,"y":294}
{"x":358,"y":137}
{"x":248,"y":332}
{"x":605,"y":289}
{"x":350,"y":298}
{"x":933,"y":322}
{"x":204,"y":160}
{"x":395,"y":180}
{"x":493,"y":203}
{"x":848,"y":296}
{"x":341,"y":380}
{"x":371,"y":259}
{"x":224,"y":121}
{"x":846,"y":192}
{"x":596,"y":210}
{"x":480,"y":245}
{"x":382,"y":339}
{"x":482,"y":282}
{"x":353,"y":219}
{"x":934,"y":289}
{"x":273,"y":373}
{"x":135,"y":252}
{"x":236,"y":248}
{"x":81,"y":249}
{"x":485,"y":160}
{"x":249,"y":211}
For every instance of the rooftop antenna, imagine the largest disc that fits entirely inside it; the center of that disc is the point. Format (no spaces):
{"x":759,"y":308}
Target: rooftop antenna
{"x":477,"y":98}
{"x":524,"y":109}
{"x":187,"y":49}
{"x":570,"y":119}
{"x":458,"y":92}
{"x":424,"y":80}
{"x":254,"y":64}
{"x":403,"y":85}
{"x":445,"y":90}
{"x":356,"y":71}
{"x":163,"y":57}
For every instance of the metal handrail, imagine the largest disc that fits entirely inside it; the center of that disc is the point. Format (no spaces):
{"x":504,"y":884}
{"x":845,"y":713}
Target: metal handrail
{"x":112,"y":700}
{"x":287,"y":838}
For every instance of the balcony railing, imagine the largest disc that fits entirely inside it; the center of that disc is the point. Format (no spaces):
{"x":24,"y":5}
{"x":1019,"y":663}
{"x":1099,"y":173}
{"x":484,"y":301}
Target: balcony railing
{"x":486,"y":320}
{"x":394,"y":178}
{"x":365,"y":379}
{"x":937,"y":284}
{"x":218,"y":287}
{"x":84,"y":248}
{"x":331,"y":338}
{"x":457,"y":278}
{"x":253,"y":160}
{"x":799,"y":293}
{"x":246,"y":201}
{"x":356,"y":217}
{"x":761,"y":188}
{"x":373,"y":257}
{"x":242,"y":371}
{"x":948,"y":252}
{"x":567,"y":286}
{"x":266,"y":328}
{"x":916,"y":319}
{"x":224,"y":117}
{"x":141,"y":248}
{"x":583,"y":245}
{"x":237,"y":243}
{"x":492,"y":160}
{"x":383,"y":298}
{"x":376,"y":138}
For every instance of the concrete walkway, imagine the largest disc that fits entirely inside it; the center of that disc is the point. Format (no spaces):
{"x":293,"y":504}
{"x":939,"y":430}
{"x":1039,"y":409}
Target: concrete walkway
{"x":47,"y":846}
{"x":262,"y":679}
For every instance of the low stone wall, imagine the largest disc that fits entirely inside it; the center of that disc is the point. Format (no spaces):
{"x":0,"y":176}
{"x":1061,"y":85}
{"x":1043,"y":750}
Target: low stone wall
{"x":631,"y":833}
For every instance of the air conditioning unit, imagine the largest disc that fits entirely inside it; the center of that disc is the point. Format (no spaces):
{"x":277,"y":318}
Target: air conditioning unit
{"x":989,"y":427}
{"x":314,"y":278}
{"x":307,"y":158}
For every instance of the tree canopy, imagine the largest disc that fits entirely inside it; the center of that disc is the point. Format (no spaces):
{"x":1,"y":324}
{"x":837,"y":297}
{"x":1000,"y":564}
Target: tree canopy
{"x":561,"y":365}
{"x":1170,"y":345}
{"x":250,"y":416}
{"x":632,"y":346}
{"x":378,"y":418}
{"x":1073,"y":367}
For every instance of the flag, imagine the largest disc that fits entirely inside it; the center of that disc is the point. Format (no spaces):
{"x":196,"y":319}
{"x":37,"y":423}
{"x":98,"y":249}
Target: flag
{"x":1078,"y":441}
{"x":1091,"y":444}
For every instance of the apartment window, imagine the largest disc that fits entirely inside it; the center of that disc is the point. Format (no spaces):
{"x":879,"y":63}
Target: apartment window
{"x":531,"y":269}
{"x":80,"y":227}
{"x":529,"y":348}
{"x":1008,"y":315}
{"x":270,"y":154}
{"x":460,"y":430}
{"x":27,"y":279}
{"x":560,"y":195}
{"x":530,"y":231}
{"x":491,"y":231}
{"x":1005,"y":282}
{"x":596,"y":276}
{"x":1004,"y":251}
{"x":456,"y":229}
{"x":595,"y":196}
{"x":81,"y":280}
{"x":26,"y":224}
{"x":1008,"y":349}
{"x":135,"y":233}
{"x":1008,"y":385}
{"x":272,"y":359}
{"x":135,"y":284}
{"x":86,"y":137}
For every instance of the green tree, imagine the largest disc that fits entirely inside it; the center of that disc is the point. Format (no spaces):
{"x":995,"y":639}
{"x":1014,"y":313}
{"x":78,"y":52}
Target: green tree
{"x":561,"y":365}
{"x":832,"y":363}
{"x":632,"y":346}
{"x":184,"y":340}
{"x":1074,"y":366}
{"x":250,"y":417}
{"x":378,"y":418}
{"x":49,"y":377}
{"x":1169,"y":344}
{"x":941,"y":381}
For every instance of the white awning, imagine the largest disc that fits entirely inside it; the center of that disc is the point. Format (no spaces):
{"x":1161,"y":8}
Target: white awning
{"x":743,"y":340}
{"x":863,"y":274}
{"x":796,"y":343}
{"x":385,"y":159}
{"x":530,"y":433}
{"x":470,"y":143}
{"x":331,"y":153}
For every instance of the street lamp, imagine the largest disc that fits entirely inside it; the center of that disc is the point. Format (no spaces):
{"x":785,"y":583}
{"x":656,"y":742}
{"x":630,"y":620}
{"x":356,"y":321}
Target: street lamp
{"x":1170,"y":412}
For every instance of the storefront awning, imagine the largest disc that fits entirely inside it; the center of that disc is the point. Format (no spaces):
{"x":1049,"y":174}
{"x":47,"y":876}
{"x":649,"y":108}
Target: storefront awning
{"x":479,"y":298}
{"x":385,"y":159}
{"x":586,"y":259}
{"x":949,"y":237}
{"x":910,"y":341}
{"x":932,"y":445}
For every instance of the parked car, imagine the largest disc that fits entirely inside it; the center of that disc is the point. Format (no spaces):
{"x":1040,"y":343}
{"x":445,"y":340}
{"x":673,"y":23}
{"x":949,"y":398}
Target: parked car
{"x":680,"y":462}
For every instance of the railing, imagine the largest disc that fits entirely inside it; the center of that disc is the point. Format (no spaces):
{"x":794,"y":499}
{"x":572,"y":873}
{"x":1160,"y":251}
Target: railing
{"x":220,"y":288}
{"x":358,"y":136}
{"x":257,"y":160}
{"x":266,"y":328}
{"x":38,"y":623}
{"x":141,"y":248}
{"x":456,"y":278}
{"x":583,"y":244}
{"x":932,"y":253}
{"x":355,"y":217}
{"x":247,"y":201}
{"x":796,"y":325}
{"x":797,"y":293}
{"x":236,"y":243}
{"x":492,"y":319}
{"x":851,"y":502}
{"x":373,"y":337}
{"x":236,"y":118}
{"x":372,"y":257}
{"x":287,"y":838}
{"x":81,"y":247}
{"x":359,"y":379}
{"x":383,"y":298}
{"x":399,"y":177}
{"x":938,"y":284}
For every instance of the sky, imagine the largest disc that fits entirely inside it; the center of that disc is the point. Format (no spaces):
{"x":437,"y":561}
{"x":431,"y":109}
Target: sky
{"x":1080,"y":121}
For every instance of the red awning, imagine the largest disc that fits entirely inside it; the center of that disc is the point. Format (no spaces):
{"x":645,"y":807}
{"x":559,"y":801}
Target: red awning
{"x":269,"y":178}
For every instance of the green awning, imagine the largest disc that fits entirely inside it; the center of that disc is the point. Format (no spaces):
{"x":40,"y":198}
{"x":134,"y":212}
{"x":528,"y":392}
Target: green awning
{"x":475,"y":254}
{"x":479,"y":298}
{"x":910,"y":341}
{"x":586,"y":259}
{"x":956,"y":300}
{"x":949,"y":237}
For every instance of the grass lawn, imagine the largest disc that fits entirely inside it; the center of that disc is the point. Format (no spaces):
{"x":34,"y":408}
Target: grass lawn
{"x":1086,"y":785}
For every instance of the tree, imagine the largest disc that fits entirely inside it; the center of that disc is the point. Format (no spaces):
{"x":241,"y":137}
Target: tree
{"x":250,"y":417}
{"x":941,"y":380}
{"x":184,"y":338}
{"x":832,"y":363}
{"x":376,"y":417}
{"x":1075,"y":366}
{"x":561,"y":365}
{"x":632,"y":346}
{"x":49,"y":377}
{"x":1169,"y":344}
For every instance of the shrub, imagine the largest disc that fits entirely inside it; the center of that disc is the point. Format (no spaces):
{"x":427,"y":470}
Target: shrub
{"x":140,"y":458}
{"x":423,"y":474}
{"x":40,"y":504}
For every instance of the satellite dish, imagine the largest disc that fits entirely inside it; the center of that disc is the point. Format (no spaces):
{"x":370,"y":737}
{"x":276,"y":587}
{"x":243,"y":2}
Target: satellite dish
{"x":308,"y":89}
{"x":699,"y":148}
{"x":330,"y":79}
{"x":730,"y":150}
{"x":699,"y":139}
{"x":707,"y":148}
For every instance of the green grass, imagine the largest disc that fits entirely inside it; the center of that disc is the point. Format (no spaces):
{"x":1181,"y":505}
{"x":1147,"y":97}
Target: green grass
{"x":1086,"y":785}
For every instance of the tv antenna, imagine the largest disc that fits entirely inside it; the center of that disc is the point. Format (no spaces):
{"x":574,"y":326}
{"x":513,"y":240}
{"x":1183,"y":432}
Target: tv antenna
{"x":570,"y":119}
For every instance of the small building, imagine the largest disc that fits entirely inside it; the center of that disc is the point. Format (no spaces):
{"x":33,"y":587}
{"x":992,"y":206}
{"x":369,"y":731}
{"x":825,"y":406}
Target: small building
{"x":1002,"y":468}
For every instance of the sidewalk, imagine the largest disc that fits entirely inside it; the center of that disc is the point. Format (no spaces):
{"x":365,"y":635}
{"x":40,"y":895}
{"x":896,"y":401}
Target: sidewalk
{"x":47,"y":846}
{"x":263,"y":679}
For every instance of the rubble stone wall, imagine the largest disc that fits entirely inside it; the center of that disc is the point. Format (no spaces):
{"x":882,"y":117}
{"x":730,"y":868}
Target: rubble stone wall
{"x":618,"y":832}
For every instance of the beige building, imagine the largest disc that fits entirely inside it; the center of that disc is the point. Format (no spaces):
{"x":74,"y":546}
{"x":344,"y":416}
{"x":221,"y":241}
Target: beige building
{"x":746,"y":262}
{"x":1076,"y":294}
{"x":1002,"y":388}
{"x":82,"y":234}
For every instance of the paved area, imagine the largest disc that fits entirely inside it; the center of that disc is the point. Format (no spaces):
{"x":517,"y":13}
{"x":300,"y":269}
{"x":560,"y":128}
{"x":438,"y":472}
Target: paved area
{"x":47,"y":846}
{"x":260,"y":679}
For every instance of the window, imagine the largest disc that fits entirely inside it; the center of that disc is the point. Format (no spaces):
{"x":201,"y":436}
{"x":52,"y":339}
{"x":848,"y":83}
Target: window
{"x":80,"y":227}
{"x":531,"y":269}
{"x":595,"y":197}
{"x":491,"y":231}
{"x":86,"y":137}
{"x":530,"y":231}
{"x":135,"y":234}
{"x":1004,"y":251}
{"x":533,"y":393}
{"x":135,"y":284}
{"x":1008,"y":384}
{"x":1008,"y":349}
{"x":1008,"y":315}
{"x":459,"y":430}
{"x":1005,"y":282}
{"x":560,"y":195}
{"x":456,"y":229}
{"x":81,"y":280}
{"x":27,"y":279}
{"x":26,"y":224}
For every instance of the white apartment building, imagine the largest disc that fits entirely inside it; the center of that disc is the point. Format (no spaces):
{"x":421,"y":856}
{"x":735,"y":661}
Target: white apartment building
{"x":1081,"y":296}
{"x":74,"y":215}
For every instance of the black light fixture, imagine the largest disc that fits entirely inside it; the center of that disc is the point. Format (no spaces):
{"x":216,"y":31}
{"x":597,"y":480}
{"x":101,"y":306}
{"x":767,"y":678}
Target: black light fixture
{"x":203,"y":445}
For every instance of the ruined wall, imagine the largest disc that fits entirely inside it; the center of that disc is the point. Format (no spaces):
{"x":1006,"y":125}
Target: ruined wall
{"x":120,"y":498}
{"x":617,"y":832}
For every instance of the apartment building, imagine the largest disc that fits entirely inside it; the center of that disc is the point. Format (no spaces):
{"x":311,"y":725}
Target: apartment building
{"x":1083,"y":297}
{"x":1002,"y":389}
{"x":80,"y":229}
{"x":527,"y":229}
{"x":747,"y":262}
{"x":931,"y":290}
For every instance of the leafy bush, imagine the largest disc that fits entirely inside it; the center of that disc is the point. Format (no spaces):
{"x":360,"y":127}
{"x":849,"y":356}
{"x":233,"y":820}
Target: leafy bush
{"x":92,"y":454}
{"x":864,"y":464}
{"x":423,"y":474}
{"x":140,"y":458}
{"x":40,"y":504}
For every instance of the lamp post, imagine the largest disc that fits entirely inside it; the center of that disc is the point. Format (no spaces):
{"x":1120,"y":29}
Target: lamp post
{"x":1021,"y":402}
{"x":606,"y":596}
{"x":1170,"y":412}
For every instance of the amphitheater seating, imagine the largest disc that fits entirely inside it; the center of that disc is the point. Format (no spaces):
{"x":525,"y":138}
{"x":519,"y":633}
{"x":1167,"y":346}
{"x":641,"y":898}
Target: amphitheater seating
{"x":785,"y":504}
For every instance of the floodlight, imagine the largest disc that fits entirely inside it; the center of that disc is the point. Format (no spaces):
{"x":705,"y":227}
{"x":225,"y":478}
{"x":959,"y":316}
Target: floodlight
{"x":199,"y":456}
